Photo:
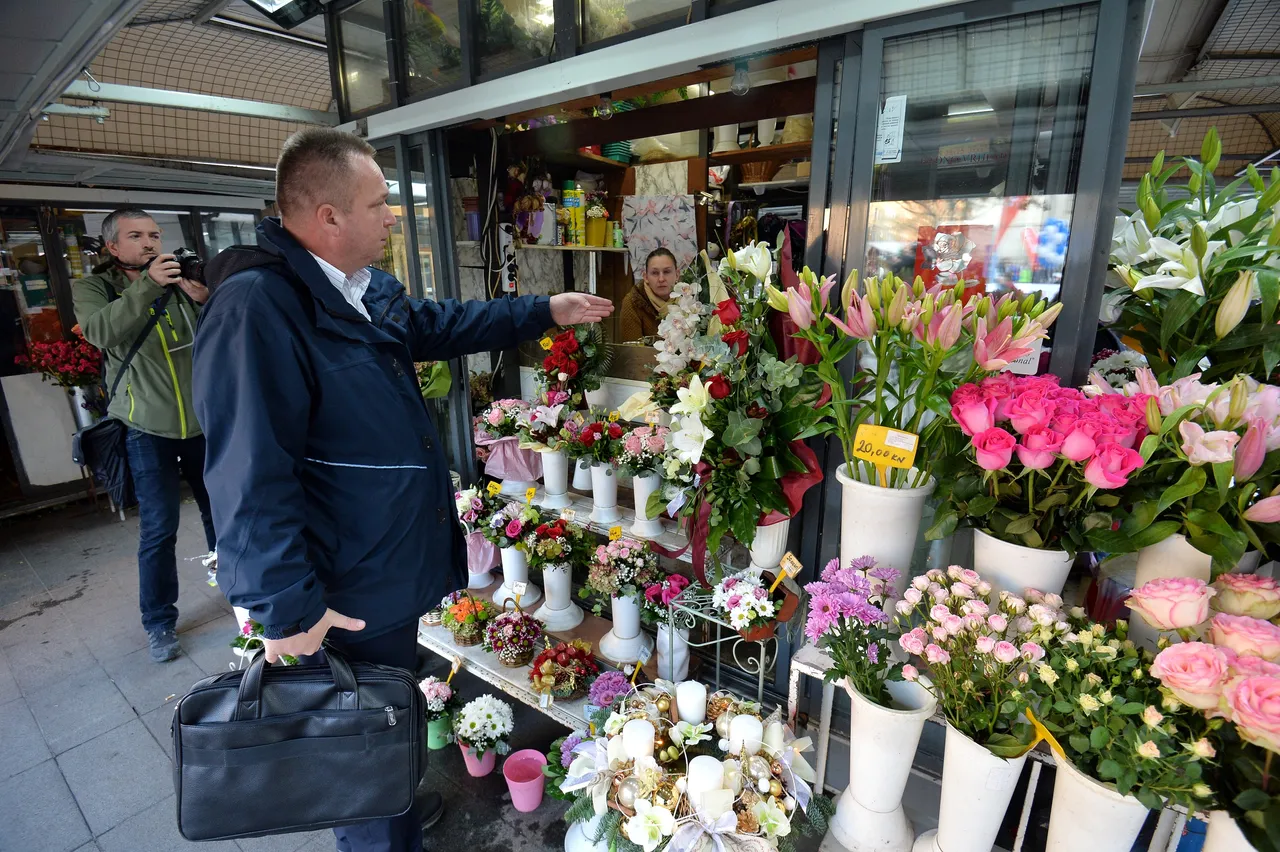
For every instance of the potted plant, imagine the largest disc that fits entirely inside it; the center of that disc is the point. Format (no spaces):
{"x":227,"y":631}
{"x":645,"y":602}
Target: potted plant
{"x":1036,"y":456}
{"x":979,"y":646}
{"x":564,"y":671}
{"x":539,"y":431}
{"x":481,"y":729}
{"x":745,"y":601}
{"x":513,"y":637}
{"x":497,"y":431}
{"x":935,"y":341}
{"x":507,"y":528}
{"x":641,"y":457}
{"x":598,"y":439}
{"x":597,"y":218}
{"x":672,"y":644}
{"x":442,"y":703}
{"x":466,"y":617}
{"x":554,"y":547}
{"x":475,"y":508}
{"x":619,"y":571}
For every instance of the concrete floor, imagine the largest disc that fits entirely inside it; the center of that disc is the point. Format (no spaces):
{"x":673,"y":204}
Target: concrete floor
{"x":84,"y":714}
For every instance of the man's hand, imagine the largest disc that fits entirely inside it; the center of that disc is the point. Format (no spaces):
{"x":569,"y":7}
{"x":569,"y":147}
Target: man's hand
{"x":305,"y":644}
{"x":575,"y":308}
{"x":197,"y":291}
{"x":164,"y":270}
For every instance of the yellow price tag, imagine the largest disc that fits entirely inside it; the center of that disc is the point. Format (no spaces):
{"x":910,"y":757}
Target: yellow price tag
{"x":613,"y":416}
{"x":457,"y":664}
{"x":885,"y":447}
{"x":615,"y":533}
{"x":545,"y":343}
{"x":530,"y":493}
{"x":790,"y":568}
{"x":494,"y":488}
{"x":1042,"y":733}
{"x":568,"y":515}
{"x":651,"y":417}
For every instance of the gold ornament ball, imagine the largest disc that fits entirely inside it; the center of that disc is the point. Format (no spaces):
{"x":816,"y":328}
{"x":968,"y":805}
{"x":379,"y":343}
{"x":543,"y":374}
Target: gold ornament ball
{"x":722,"y":725}
{"x":664,"y":705}
{"x":628,"y":792}
{"x":775,"y":788}
{"x":758,"y":768}
{"x":775,"y":768}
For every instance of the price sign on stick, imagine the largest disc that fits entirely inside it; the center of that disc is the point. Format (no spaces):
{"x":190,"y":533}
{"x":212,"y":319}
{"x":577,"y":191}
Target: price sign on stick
{"x":494,"y":488}
{"x":529,"y":494}
{"x":790,"y":568}
{"x":519,"y":589}
{"x":651,"y":417}
{"x":567,"y":515}
{"x":635,"y":673}
{"x":885,"y":447}
{"x":457,"y":664}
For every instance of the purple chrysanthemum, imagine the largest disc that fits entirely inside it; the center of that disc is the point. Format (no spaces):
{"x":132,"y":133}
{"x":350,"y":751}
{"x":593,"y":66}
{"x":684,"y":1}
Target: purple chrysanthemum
{"x":873,"y":653}
{"x":607,"y":688}
{"x":887,"y":573}
{"x":828,"y":573}
{"x":862,"y":563}
{"x":566,"y":749}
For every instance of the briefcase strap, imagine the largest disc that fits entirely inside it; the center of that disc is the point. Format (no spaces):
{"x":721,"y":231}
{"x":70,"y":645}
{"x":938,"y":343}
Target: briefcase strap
{"x":249,"y":697}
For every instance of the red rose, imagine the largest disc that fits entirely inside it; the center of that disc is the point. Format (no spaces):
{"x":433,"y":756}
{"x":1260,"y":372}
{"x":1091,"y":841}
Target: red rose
{"x":718,"y":386}
{"x":571,"y":345}
{"x":548,"y":364}
{"x":738,"y":341}
{"x":615,"y":431}
{"x":728,"y":312}
{"x":571,"y":368}
{"x":587,"y":438}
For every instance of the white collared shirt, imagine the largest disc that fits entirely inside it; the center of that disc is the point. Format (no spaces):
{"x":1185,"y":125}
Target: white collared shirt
{"x":352,"y":287}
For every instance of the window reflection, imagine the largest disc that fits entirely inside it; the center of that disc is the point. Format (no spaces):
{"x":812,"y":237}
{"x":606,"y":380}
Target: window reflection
{"x":366,"y":77}
{"x":602,"y":19}
{"x":513,"y":32}
{"x":432,"y":44}
{"x":394,"y":254}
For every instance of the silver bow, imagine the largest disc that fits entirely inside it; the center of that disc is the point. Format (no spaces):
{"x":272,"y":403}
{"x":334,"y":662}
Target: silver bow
{"x":688,"y":837}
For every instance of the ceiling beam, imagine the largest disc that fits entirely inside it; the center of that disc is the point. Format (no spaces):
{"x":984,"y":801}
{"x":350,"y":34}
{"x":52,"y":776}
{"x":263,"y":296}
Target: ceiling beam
{"x":114,"y":93}
{"x":1204,"y":112}
{"x":1208,"y":85}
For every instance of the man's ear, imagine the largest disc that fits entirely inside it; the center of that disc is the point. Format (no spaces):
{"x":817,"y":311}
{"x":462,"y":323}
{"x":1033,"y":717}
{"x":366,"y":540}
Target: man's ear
{"x":328,"y":219}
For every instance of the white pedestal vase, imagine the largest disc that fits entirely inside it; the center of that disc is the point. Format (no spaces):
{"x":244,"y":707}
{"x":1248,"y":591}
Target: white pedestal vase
{"x":1224,"y":835}
{"x":582,"y":474}
{"x":578,"y":837}
{"x":1170,"y":557}
{"x":882,"y":746}
{"x":558,"y":611}
{"x":673,"y":652}
{"x":976,"y":788}
{"x":766,"y":128}
{"x":604,"y":494}
{"x":555,"y":480}
{"x":880,"y":522}
{"x":516,"y":487}
{"x":1089,"y":817}
{"x":515,"y":569}
{"x":626,"y":642}
{"x":726,"y":138}
{"x":769,"y":545}
{"x":644,"y":485}
{"x":1017,"y":568}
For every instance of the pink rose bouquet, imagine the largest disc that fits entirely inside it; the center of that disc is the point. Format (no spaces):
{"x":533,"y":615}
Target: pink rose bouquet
{"x":441,"y":700}
{"x":658,"y":596}
{"x":1039,"y":457}
{"x":502,"y":419}
{"x":508,"y":523}
{"x":621,"y":568}
{"x":643,"y":450}
{"x":1247,"y":594}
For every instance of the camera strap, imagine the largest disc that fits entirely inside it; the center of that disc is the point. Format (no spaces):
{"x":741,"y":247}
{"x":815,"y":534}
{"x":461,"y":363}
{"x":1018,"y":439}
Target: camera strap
{"x":142,"y":338}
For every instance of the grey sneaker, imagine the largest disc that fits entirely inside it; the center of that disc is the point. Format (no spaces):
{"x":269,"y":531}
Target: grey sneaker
{"x":163,"y":644}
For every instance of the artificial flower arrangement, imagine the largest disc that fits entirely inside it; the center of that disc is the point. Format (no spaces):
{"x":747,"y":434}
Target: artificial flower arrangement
{"x":848,"y":620}
{"x":484,"y":724}
{"x":502,"y":419}
{"x":442,"y":701}
{"x":619,"y":568}
{"x":556,"y":542}
{"x":466,"y":617}
{"x":1226,"y":669}
{"x":1036,"y":457}
{"x":643,"y":450}
{"x":1194,"y":273}
{"x":980,"y":649}
{"x":658,"y":596}
{"x":1212,"y":468}
{"x":513,"y":637}
{"x":510,"y":524}
{"x":661,"y":782}
{"x":565,"y":670}
{"x":577,"y":359}
{"x":597,"y":437}
{"x":67,"y":363}
{"x":919,"y":344}
{"x":745,"y":601}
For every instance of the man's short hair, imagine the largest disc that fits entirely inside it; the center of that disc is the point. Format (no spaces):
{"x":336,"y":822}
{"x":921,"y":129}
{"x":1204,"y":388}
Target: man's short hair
{"x":315,"y":168}
{"x":111,"y":224}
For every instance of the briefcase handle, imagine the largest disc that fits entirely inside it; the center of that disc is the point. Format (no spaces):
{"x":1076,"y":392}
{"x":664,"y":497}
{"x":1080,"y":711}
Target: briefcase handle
{"x":249,"y":697}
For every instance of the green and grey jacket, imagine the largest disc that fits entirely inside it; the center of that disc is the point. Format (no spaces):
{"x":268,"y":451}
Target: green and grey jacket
{"x":155,"y":394}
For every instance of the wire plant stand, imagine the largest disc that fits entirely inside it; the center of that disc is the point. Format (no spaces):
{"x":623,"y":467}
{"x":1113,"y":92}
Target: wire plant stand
{"x":693,"y":607}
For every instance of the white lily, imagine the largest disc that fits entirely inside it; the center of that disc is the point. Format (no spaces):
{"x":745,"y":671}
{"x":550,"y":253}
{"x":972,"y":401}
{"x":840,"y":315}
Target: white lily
{"x":688,"y":437}
{"x":546,"y":415}
{"x":755,"y":259}
{"x":1130,"y":237}
{"x":650,"y":824}
{"x":772,"y":818}
{"x":693,"y":400}
{"x":1181,"y":270}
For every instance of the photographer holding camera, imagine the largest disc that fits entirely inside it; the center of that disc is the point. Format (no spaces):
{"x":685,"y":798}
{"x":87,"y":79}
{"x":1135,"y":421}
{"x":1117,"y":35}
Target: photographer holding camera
{"x":141,"y":297}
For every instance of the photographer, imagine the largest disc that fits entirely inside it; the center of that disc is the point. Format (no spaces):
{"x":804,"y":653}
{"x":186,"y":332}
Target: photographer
{"x":113,"y":307}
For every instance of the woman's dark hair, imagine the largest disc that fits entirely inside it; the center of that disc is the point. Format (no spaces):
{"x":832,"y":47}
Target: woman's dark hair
{"x":660,"y":252}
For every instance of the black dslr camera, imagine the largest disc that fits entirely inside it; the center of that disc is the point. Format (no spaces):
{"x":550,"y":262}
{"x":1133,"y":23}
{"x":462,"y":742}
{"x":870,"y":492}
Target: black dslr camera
{"x":190,"y":265}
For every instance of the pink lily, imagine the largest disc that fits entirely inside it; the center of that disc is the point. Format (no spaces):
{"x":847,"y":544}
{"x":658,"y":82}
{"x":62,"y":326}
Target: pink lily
{"x":1265,"y":511}
{"x":824,"y":290}
{"x":1251,"y":451}
{"x":944,"y":328}
{"x":996,"y":349}
{"x":859,"y":319}
{"x":800,"y":305}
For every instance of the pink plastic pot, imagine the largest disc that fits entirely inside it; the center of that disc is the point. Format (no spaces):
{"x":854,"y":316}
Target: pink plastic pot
{"x":523,"y":771}
{"x":478,"y":766}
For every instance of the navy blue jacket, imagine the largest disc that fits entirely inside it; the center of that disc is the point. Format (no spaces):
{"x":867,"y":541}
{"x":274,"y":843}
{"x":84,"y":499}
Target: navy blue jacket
{"x":327,"y":479}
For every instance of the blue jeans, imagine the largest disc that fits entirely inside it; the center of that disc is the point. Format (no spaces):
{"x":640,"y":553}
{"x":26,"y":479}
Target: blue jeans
{"x":156,"y":464}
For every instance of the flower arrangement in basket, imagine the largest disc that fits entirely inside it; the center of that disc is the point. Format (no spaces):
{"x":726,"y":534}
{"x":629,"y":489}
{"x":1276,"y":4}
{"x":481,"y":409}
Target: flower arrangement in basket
{"x":658,"y":596}
{"x":442,"y":701}
{"x":644,"y":450}
{"x":67,"y":363}
{"x":513,"y":637}
{"x":565,"y":670}
{"x":466,"y":617}
{"x":484,"y":724}
{"x":620,"y":568}
{"x":598,"y":438}
{"x":577,"y":359}
{"x":751,"y":609}
{"x":502,"y":419}
{"x":1232,"y":677}
{"x":847,"y":619}
{"x":1037,"y":457}
{"x":510,"y":523}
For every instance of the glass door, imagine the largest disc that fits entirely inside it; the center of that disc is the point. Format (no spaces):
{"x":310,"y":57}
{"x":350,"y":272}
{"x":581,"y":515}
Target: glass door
{"x":28,"y":306}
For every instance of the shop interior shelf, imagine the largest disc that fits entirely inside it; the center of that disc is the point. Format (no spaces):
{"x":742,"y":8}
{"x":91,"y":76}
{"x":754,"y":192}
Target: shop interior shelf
{"x":609,"y":249}
{"x":789,"y":151}
{"x":761,"y":186}
{"x":587,"y":162}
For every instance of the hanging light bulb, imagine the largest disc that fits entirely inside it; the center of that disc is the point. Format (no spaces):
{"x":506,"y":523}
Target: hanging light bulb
{"x":741,"y":80}
{"x":605,"y":110}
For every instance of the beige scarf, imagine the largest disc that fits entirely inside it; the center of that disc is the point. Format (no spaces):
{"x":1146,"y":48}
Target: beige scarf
{"x":659,"y":305}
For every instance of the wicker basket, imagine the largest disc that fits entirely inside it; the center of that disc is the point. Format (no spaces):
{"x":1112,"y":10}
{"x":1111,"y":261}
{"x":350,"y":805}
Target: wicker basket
{"x":569,"y":694}
{"x":466,"y":640}
{"x":759,"y":171}
{"x":515,"y":662}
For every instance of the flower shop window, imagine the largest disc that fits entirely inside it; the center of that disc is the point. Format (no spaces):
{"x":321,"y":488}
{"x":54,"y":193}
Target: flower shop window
{"x":366,"y":74}
{"x":977,"y":151}
{"x":395,"y":259}
{"x":511,"y":34}
{"x":604,"y":19}
{"x":432,"y":45}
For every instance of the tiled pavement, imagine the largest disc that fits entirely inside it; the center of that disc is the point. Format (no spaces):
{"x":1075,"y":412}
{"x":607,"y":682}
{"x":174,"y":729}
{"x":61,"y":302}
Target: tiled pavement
{"x":84,"y":714}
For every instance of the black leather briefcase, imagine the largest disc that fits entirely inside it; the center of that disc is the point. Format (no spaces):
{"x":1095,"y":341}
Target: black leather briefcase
{"x":276,"y":749}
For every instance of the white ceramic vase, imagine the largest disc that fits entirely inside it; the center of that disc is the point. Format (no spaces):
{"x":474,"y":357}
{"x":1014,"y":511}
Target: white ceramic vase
{"x":766,"y":129}
{"x":604,"y":494}
{"x":976,"y":788}
{"x":881,"y":522}
{"x":598,"y":398}
{"x":555,"y":480}
{"x":726,"y":138}
{"x":558,"y":611}
{"x":516,"y":487}
{"x":1089,"y":817}
{"x":769,"y":545}
{"x":673,"y":652}
{"x":1017,"y":568}
{"x":882,"y":746}
{"x":515,"y":569}
{"x":582,"y":474}
{"x":644,"y":485}
{"x":1170,"y":557}
{"x":578,"y":837}
{"x":1224,"y":835}
{"x":626,"y":642}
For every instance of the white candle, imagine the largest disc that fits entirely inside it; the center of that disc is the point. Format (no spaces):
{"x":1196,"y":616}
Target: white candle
{"x":773,"y":739}
{"x":745,"y":734}
{"x":637,"y":738}
{"x":705,"y":775}
{"x":691,"y":702}
{"x":715,"y":803}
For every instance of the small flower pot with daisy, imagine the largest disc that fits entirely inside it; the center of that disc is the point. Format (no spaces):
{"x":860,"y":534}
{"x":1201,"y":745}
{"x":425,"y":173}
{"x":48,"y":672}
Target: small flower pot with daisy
{"x":466,"y":617}
{"x":979,"y":647}
{"x":554,"y":547}
{"x":442,"y":703}
{"x":744,"y":600}
{"x":481,"y":729}
{"x":619,"y":571}
{"x":513,"y":637}
{"x":847,"y":619}
{"x":641,"y":457}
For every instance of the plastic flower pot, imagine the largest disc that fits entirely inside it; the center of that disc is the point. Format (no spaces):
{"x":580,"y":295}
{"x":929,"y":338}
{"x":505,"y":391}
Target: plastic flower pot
{"x":438,"y":733}
{"x":523,"y":771}
{"x":478,"y":767}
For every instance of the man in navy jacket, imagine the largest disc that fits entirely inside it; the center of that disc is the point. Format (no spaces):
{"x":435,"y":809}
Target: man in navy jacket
{"x":329,"y":488}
